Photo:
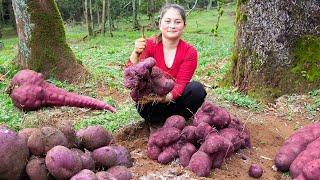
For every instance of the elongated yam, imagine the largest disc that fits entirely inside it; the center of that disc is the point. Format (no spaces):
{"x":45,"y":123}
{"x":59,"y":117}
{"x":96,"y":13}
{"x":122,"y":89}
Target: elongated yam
{"x":167,"y":155}
{"x":153,"y":152}
{"x":36,"y":169}
{"x":286,"y":155}
{"x":164,"y":137}
{"x":302,"y":159}
{"x":200,"y":163}
{"x":186,"y":153}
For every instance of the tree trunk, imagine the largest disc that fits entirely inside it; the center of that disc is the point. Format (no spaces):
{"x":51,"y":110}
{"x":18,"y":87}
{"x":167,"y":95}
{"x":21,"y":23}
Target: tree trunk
{"x":86,"y":15}
{"x":151,"y":12}
{"x":103,"y":18}
{"x":42,"y":41}
{"x":277,"y":47}
{"x":135,"y":14}
{"x":1,"y":12}
{"x":91,"y":16}
{"x":109,"y":17}
{"x":98,"y":16}
{"x":209,"y":5}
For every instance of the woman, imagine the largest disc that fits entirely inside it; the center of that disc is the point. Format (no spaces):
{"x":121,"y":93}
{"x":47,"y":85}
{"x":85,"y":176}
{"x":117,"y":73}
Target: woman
{"x":177,"y":59}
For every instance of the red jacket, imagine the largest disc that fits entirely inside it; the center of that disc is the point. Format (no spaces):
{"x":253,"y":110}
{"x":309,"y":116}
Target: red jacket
{"x":183,"y":67}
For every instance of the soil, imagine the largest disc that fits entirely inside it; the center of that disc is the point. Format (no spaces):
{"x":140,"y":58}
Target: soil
{"x":268,"y":130}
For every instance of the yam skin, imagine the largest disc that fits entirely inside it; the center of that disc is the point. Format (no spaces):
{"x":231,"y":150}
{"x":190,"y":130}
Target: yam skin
{"x":176,"y":121}
{"x":41,"y":141}
{"x":167,"y":155}
{"x":309,"y":154}
{"x":120,"y":172}
{"x":86,"y":158}
{"x":294,"y":145}
{"x":153,"y":152}
{"x":14,"y":154}
{"x":26,"y":133}
{"x":200,"y":163}
{"x":36,"y":169}
{"x":104,"y":175}
{"x":213,"y":115}
{"x":63,"y":163}
{"x":164,"y":137}
{"x":67,"y":129}
{"x":105,"y":156}
{"x":243,"y":130}
{"x":233,"y":135}
{"x":29,"y":91}
{"x":311,"y":170}
{"x":202,"y":130}
{"x":94,"y":137}
{"x":188,"y":134}
{"x":123,"y":157}
{"x":85,"y":174}
{"x":186,"y":153}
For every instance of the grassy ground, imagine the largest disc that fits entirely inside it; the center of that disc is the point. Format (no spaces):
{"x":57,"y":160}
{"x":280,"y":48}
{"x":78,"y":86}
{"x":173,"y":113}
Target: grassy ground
{"x":105,"y":58}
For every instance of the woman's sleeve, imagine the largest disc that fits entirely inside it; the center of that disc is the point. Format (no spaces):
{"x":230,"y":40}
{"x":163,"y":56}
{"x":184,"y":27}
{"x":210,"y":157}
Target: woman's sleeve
{"x":186,"y":71}
{"x":146,"y":52}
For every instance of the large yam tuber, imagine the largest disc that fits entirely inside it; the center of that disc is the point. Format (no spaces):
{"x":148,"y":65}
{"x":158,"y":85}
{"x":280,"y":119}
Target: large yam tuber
{"x":164,"y":137}
{"x":185,"y":154}
{"x":295,"y":144}
{"x":13,"y":152}
{"x":29,"y":91}
{"x":63,"y":163}
{"x":42,"y":140}
{"x":94,"y":137}
{"x":201,"y":163}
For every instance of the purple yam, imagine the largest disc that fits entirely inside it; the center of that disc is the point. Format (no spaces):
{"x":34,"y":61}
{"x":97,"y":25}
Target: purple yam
{"x":63,"y":163}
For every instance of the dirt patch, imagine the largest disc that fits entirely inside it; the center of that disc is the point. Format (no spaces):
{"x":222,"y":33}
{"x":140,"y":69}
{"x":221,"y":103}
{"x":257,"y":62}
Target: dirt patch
{"x":267,"y":131}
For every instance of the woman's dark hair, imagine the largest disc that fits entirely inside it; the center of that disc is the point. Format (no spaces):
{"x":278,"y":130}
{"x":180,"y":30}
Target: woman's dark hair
{"x":163,"y":11}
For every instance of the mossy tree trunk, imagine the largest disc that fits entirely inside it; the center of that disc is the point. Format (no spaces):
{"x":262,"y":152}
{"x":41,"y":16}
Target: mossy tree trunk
{"x":42,"y":41}
{"x":277,"y":47}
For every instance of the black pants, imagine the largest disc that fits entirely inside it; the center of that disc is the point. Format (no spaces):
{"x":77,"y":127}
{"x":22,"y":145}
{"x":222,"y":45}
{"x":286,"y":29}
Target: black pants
{"x":186,"y":105}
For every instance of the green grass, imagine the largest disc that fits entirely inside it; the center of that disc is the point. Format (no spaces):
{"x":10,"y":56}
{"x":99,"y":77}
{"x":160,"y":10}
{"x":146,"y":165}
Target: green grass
{"x":105,"y":59}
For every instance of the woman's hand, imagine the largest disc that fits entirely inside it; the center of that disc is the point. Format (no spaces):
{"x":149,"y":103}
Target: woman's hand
{"x":139,"y":45}
{"x":156,"y":99}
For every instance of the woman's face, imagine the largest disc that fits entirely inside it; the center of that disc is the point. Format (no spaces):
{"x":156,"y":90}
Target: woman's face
{"x":171,"y":24}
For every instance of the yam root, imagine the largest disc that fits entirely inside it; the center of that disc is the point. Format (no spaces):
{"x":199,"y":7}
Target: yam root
{"x":29,"y":91}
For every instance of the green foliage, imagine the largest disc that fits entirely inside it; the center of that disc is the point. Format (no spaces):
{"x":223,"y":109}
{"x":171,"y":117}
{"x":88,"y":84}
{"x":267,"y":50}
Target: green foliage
{"x":237,"y":98}
{"x":126,"y":114}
